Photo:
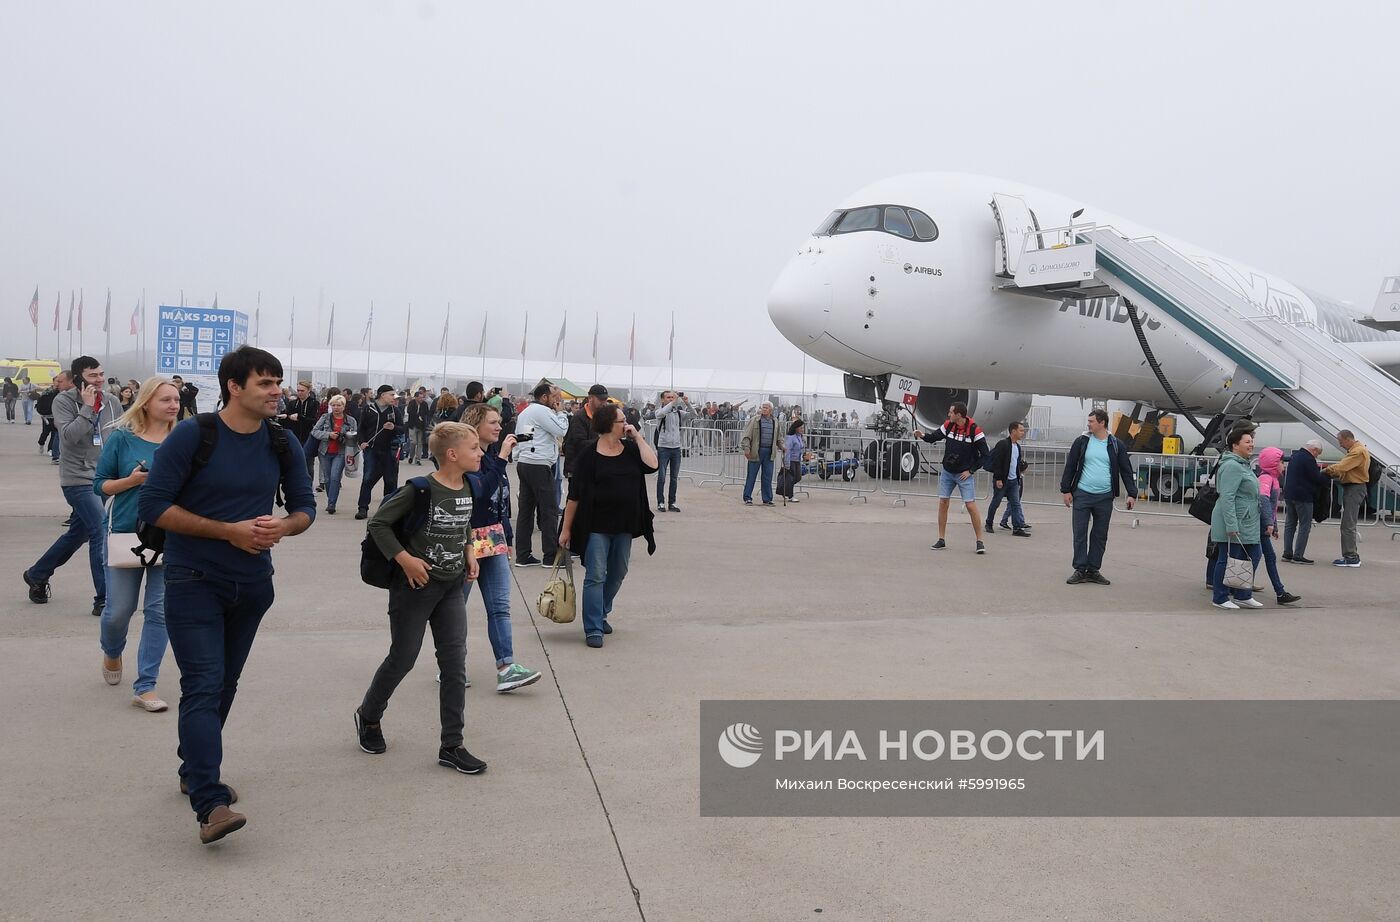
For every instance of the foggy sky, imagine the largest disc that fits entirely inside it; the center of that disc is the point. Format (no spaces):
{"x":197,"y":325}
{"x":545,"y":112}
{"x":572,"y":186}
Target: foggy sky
{"x":646,"y":157}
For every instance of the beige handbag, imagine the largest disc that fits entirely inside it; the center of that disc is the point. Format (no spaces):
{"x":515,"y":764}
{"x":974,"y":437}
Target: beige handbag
{"x":122,"y":546}
{"x":557,"y":601}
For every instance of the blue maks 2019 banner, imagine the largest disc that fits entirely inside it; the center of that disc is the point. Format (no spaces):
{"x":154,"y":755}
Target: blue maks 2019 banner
{"x":192,"y":340}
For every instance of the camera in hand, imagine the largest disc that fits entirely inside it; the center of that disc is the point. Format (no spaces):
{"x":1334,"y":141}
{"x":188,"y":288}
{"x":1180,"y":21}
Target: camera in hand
{"x":524,"y":436}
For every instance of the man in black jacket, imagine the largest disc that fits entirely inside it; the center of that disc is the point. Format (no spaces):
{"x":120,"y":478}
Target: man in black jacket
{"x":965,"y":447}
{"x":1096,"y":464}
{"x":1300,"y":485}
{"x":581,"y":433}
{"x":418,"y":418}
{"x":1008,"y":463}
{"x":299,"y":419}
{"x":381,"y":425}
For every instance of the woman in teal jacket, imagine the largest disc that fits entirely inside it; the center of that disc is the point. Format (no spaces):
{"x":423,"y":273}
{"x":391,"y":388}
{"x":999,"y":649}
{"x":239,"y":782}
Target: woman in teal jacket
{"x":126,"y":456}
{"x":1235,"y":520}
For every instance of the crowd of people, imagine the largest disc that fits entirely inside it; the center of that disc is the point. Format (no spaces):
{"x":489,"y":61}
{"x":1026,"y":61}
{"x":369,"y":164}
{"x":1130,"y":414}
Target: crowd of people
{"x":172,"y":502}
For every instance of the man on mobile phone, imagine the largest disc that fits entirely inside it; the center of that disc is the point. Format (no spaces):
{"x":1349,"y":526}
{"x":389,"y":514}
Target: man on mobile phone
{"x":83,"y":417}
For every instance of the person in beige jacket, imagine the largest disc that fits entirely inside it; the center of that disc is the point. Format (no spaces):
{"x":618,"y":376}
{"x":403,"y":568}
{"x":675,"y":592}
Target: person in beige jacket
{"x":762,"y":445}
{"x":1354,"y":473}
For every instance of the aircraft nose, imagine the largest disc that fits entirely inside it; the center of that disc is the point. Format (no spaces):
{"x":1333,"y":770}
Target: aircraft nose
{"x":800,"y":302}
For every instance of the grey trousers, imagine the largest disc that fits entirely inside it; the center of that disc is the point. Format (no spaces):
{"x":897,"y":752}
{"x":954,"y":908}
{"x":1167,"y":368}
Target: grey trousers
{"x":1353,"y":496}
{"x":438,"y":605}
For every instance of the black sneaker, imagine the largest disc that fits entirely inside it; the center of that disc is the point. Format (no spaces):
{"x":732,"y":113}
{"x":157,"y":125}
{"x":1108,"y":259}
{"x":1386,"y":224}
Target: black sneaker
{"x":97,"y":609}
{"x":989,"y":526}
{"x":660,"y":507}
{"x":362,"y":514}
{"x":1006,"y":526}
{"x":330,"y":510}
{"x":938,"y":545}
{"x":38,"y":592}
{"x":981,"y":548}
{"x":371,"y":737}
{"x":1080,"y":576}
{"x":1304,"y":561}
{"x":607,"y":628}
{"x":769,"y":503}
{"x":1094,"y":576}
{"x":673,"y":508}
{"x":460,"y":759}
{"x":531,"y":561}
{"x":1288,"y":558}
{"x":1020,"y":533}
{"x":1288,"y":598}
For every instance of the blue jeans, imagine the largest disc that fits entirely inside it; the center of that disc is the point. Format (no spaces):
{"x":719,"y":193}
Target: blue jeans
{"x":212,"y":622}
{"x":605,"y":560}
{"x":1090,"y":543}
{"x":764,"y":464}
{"x":28,"y":411}
{"x":89,"y":527}
{"x":1266,"y":544}
{"x":123,"y":587}
{"x":668,"y":460}
{"x":332,"y":469}
{"x":1297,"y":527}
{"x":1250,"y":552}
{"x":377,"y":465}
{"x":1012,"y":492}
{"x":495,"y":583}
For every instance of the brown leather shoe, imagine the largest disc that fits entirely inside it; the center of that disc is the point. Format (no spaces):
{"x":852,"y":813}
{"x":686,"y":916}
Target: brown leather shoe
{"x":232,"y":794}
{"x":222,"y":821}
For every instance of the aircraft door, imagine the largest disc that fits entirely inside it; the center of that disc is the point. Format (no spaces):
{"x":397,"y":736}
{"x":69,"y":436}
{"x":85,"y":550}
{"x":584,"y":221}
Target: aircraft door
{"x":1015,"y":222}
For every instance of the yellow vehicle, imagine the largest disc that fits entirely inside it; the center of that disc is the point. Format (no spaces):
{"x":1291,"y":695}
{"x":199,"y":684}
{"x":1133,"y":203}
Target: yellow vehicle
{"x":39,"y":371}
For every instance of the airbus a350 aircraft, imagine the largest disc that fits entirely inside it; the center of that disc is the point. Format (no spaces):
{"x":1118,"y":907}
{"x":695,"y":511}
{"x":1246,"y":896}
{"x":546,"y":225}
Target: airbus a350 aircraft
{"x":907,"y":278}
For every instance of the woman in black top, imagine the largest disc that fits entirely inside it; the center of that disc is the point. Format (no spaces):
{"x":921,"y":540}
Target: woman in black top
{"x":607,"y":508}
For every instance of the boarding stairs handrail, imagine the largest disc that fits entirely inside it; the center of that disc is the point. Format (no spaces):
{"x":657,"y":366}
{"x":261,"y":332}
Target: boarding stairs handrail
{"x":1318,"y":379}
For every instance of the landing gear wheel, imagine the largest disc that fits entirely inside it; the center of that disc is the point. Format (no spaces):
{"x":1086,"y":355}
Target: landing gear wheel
{"x":1167,"y":486}
{"x":902,"y":460}
{"x":873,"y":460}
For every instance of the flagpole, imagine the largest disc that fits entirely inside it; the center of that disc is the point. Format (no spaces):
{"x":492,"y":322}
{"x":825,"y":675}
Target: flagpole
{"x":257,"y":330}
{"x":291,"y":335}
{"x":595,"y":347}
{"x":446,"y":324}
{"x":672,"y":350}
{"x":405,"y":344}
{"x":70,"y":324}
{"x":485,"y":318}
{"x":57,"y":334}
{"x":36,"y":324}
{"x":632,"y":359}
{"x":141,"y":343}
{"x":369,"y":338}
{"x":563,"y":347}
{"x":80,"y":320}
{"x":107,"y":324}
{"x":523,"y":339}
{"x":330,"y":343}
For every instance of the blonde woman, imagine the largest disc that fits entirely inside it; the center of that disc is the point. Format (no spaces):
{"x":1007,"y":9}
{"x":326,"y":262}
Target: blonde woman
{"x":127,"y":454}
{"x":334,"y":433}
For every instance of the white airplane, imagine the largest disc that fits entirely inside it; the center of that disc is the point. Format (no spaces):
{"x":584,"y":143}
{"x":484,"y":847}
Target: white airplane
{"x":904,"y":279}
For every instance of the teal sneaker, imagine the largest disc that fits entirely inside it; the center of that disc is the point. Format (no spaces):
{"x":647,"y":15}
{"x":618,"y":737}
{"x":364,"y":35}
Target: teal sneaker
{"x":515,"y":676}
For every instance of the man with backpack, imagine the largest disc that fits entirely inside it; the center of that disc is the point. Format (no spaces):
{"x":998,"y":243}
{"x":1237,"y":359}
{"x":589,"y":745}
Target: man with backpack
{"x":381,"y":427}
{"x":211,"y":489}
{"x":965,"y":447}
{"x":49,"y":433}
{"x":1097,"y":462}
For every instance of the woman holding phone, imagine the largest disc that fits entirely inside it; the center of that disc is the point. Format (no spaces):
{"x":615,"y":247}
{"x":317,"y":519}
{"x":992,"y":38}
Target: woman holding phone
{"x":121,"y":470}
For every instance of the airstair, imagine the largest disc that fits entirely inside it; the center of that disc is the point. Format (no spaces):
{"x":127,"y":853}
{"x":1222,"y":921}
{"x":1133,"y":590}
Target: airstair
{"x":1316,"y":378}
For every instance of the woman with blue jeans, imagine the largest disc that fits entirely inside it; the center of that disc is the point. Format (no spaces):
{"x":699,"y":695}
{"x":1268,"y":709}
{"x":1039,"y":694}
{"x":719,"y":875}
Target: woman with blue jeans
{"x":492,"y":537}
{"x":794,"y":453}
{"x":127,"y":454}
{"x":1234,"y":523}
{"x":334,"y":433}
{"x":607,"y":508}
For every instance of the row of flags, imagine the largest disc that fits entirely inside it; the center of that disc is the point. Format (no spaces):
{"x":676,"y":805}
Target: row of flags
{"x":330,"y":332}
{"x":58,"y":304}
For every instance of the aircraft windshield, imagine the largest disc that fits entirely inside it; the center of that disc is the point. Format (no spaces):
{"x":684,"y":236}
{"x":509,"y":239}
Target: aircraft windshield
{"x":900,"y":220}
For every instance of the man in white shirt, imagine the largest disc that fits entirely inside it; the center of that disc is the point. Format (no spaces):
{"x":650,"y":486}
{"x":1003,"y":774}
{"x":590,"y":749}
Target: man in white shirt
{"x":538,"y":429}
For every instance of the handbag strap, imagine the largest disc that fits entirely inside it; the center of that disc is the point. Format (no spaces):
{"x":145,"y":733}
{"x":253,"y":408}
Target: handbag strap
{"x":564,"y":558}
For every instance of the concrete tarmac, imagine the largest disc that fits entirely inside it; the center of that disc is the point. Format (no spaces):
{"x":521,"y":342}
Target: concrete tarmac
{"x":590,"y":807}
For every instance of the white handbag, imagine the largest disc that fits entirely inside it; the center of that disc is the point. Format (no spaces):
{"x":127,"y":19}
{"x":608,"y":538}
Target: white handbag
{"x":1239,"y":572}
{"x":122,"y":546}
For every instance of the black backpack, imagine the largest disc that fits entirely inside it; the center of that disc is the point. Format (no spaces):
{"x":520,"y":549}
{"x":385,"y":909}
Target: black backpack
{"x":378,"y":570}
{"x":45,"y":402}
{"x":152,"y":536}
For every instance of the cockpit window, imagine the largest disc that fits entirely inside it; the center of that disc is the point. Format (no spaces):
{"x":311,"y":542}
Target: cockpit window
{"x":897,"y":222}
{"x":923,"y":225}
{"x":824,"y":228}
{"x":900,"y":220}
{"x":859,"y":219}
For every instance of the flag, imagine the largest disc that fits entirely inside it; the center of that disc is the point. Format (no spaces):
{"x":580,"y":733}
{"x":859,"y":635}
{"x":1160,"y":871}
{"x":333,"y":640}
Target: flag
{"x":369,"y":324}
{"x":481,"y":350}
{"x":57,"y":300}
{"x":559,"y":343}
{"x":70,"y":311}
{"x":80,"y":312}
{"x":135,"y":318}
{"x":445,"y":321}
{"x":632,"y":341}
{"x":107,"y":313}
{"x":671,"y":350}
{"x":595,"y":335}
{"x":524,"y":337}
{"x":34,"y":308}
{"x":330,"y":331}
